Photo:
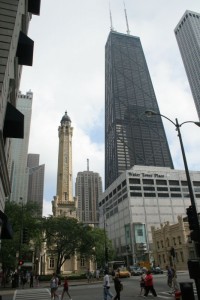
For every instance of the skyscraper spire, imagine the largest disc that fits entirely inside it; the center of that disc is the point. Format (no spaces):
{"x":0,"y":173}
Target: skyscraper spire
{"x":127,"y":26}
{"x":111,"y":24}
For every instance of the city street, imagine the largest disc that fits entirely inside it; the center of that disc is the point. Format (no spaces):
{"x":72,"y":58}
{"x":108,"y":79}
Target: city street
{"x":84,"y":291}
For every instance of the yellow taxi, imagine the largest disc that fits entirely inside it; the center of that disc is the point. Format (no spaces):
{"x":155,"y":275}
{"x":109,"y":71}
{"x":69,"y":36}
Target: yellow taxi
{"x":123,"y":272}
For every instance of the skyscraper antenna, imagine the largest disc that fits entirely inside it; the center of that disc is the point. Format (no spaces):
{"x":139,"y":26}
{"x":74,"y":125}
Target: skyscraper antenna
{"x":128,"y":31}
{"x":111,"y":23}
{"x":87,"y":164}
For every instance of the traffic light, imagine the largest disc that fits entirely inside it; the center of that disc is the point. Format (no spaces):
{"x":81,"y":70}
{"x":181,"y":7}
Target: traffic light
{"x":21,"y":262}
{"x":193,"y":225}
{"x":25,"y":237}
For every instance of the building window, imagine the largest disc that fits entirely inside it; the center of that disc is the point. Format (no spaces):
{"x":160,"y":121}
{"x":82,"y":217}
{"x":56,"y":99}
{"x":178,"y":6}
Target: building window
{"x":173,"y":182}
{"x":140,"y":232}
{"x":162,"y":244}
{"x":177,"y":257}
{"x":51,"y":263}
{"x":174,"y":240}
{"x":161,"y":182}
{"x":164,"y":258}
{"x":179,"y":240}
{"x":148,"y":181}
{"x":158,"y":246}
{"x":82,"y":262}
{"x":182,"y":257}
{"x":134,"y":181}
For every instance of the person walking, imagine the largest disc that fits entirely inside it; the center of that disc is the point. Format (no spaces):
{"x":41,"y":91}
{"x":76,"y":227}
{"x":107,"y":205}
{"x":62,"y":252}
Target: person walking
{"x":54,"y":286}
{"x":142,"y":283}
{"x":118,"y":287}
{"x":175,"y":286}
{"x":65,"y":288}
{"x":149,"y":285}
{"x":106,"y":286}
{"x":31,"y":280}
{"x":169,"y":276}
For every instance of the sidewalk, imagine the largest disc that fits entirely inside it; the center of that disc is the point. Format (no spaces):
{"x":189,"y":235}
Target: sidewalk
{"x":46,"y":284}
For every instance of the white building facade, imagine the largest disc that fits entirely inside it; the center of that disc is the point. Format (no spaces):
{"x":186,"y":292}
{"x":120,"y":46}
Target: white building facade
{"x":140,"y":198}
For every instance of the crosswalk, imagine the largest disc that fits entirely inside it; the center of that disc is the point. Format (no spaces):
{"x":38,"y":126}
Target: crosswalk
{"x":33,"y":294}
{"x":167,"y":295}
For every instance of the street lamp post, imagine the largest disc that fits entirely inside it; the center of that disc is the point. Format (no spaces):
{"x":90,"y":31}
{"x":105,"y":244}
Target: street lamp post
{"x":192,"y":199}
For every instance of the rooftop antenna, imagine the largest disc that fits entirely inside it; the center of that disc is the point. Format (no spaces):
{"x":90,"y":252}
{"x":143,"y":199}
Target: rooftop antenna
{"x":87,"y":164}
{"x":111,"y":23}
{"x":128,"y":31}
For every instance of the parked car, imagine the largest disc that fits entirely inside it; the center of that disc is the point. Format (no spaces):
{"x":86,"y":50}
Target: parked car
{"x":123,"y":273}
{"x":135,"y":271}
{"x":157,"y":270}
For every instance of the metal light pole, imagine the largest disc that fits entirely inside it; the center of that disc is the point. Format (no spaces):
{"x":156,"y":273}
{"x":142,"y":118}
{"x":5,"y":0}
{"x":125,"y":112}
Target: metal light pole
{"x":192,"y":199}
{"x":105,"y":245}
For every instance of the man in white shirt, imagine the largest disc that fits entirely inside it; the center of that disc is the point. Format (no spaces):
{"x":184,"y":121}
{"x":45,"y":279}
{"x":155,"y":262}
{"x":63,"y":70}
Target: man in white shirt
{"x":106,"y":286}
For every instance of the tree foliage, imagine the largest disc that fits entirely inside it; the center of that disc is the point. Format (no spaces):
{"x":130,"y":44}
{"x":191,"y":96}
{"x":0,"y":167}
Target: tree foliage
{"x":20,"y":216}
{"x":66,"y":237}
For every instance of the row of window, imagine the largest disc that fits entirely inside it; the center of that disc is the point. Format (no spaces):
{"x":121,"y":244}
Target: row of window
{"x":176,"y":241}
{"x":161,"y":182}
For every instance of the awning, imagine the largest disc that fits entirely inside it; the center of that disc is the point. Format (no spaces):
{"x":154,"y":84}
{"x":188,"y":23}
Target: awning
{"x":34,"y":7}
{"x":25,"y":50}
{"x":14,"y":123}
{"x":6,"y":228}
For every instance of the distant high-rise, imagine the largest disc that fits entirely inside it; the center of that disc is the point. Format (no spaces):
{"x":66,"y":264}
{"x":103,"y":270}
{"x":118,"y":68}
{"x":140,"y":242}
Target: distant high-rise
{"x":36,"y":181}
{"x":130,"y":139}
{"x":64,"y":202}
{"x":19,"y":150}
{"x":188,"y":38}
{"x":88,"y":190}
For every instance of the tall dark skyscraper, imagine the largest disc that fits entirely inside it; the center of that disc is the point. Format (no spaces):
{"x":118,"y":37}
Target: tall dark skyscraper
{"x":130,"y":138}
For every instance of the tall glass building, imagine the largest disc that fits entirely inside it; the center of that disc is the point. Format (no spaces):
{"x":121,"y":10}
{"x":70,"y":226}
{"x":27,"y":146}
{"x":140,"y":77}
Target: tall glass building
{"x":130,"y":137}
{"x":188,"y":38}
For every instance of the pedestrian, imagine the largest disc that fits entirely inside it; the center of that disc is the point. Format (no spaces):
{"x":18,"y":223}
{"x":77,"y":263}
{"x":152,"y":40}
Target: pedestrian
{"x":54,"y":286}
{"x":142,"y":284}
{"x":97,"y":274}
{"x":65,"y":288}
{"x":169,"y":276}
{"x":106,"y":286}
{"x":88,"y":275}
{"x":175,"y":286}
{"x":149,"y":285}
{"x":31,"y":280}
{"x":118,"y":287}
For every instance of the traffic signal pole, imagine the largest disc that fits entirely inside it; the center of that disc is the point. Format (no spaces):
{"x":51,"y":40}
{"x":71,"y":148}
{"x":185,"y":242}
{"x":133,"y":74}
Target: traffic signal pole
{"x":194,"y":211}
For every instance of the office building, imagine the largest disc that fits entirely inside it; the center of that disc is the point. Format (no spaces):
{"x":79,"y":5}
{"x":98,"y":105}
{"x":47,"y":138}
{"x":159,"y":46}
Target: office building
{"x":188,"y":39}
{"x":64,"y":203}
{"x":130,"y":139}
{"x":140,"y":198}
{"x":35,"y":181}
{"x":88,"y":189}
{"x":19,"y":152}
{"x":16,"y":49}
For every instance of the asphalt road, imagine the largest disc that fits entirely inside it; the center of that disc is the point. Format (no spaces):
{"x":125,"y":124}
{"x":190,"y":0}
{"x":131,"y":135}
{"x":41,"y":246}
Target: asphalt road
{"x":94,"y":290}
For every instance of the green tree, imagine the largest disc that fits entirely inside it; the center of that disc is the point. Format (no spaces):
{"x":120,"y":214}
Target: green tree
{"x":66,"y":236}
{"x":20,"y":216}
{"x":102,"y":242}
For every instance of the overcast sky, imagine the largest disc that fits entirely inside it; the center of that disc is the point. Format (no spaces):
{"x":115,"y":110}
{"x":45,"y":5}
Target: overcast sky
{"x":68,"y":74}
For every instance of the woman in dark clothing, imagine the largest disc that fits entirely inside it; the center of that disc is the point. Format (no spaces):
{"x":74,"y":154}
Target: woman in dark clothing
{"x":118,"y":286}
